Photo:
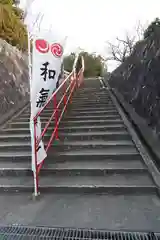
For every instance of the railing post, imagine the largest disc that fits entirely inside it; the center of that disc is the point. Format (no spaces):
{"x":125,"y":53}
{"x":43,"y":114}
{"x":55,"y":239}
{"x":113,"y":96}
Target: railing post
{"x":71,"y":85}
{"x":65,"y":97}
{"x":81,"y":78}
{"x":75,"y":78}
{"x":56,"y":115}
{"x":35,"y":172}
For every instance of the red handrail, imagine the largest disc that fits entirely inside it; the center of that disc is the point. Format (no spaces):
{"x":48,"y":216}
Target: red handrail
{"x":49,"y":100}
{"x":74,"y":82}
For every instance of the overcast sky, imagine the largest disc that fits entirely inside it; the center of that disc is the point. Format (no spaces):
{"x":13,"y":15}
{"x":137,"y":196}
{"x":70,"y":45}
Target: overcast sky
{"x":89,"y":23}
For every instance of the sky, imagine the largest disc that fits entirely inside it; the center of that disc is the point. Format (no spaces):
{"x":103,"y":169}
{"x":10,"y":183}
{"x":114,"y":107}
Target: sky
{"x":88,"y":24}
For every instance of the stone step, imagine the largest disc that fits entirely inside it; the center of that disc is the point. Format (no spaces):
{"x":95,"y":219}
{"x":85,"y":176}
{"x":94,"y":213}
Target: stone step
{"x":88,"y":93}
{"x":25,"y":132}
{"x":86,"y":122}
{"x":104,"y":164}
{"x":74,"y":112}
{"x":28,"y":111}
{"x":90,"y":117}
{"x":69,"y":148}
{"x":44,"y":172}
{"x":92,"y":101}
{"x":91,"y":122}
{"x":95,"y":153}
{"x":111,"y":183}
{"x":88,"y":103}
{"x":111,"y":165}
{"x":98,"y":143}
{"x":115,"y":128}
{"x":15,"y":156}
{"x":71,"y":145}
{"x":86,"y":155}
{"x":92,"y":112}
{"x":83,"y":98}
{"x":48,"y":112}
{"x":25,"y":119}
{"x":50,"y":109}
{"x":71,"y":169}
{"x":91,"y":97}
{"x":26,"y":115}
{"x":90,"y":89}
{"x":93,"y":108}
{"x":92,"y":105}
{"x":25,"y":124}
{"x":108,"y":136}
{"x":119,"y":154}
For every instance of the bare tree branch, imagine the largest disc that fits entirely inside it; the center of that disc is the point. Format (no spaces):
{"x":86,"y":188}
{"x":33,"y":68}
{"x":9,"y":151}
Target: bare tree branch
{"x":27,"y":6}
{"x":124,"y":47}
{"x":139,"y":30}
{"x":37,"y":20}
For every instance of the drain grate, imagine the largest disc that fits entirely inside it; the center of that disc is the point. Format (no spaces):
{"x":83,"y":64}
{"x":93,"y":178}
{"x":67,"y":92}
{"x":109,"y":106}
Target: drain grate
{"x":24,"y":233}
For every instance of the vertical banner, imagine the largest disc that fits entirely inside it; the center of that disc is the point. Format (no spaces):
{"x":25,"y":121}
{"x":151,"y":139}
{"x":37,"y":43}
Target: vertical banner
{"x":82,"y":58}
{"x":46,"y":66}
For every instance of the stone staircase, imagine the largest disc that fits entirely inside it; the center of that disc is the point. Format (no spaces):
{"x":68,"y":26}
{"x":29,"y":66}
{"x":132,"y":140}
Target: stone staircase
{"x":95,"y":154}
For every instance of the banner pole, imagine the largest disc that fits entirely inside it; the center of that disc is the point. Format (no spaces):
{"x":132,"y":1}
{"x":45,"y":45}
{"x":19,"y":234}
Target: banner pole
{"x":31,"y":119}
{"x":29,"y":58}
{"x":35,"y":172}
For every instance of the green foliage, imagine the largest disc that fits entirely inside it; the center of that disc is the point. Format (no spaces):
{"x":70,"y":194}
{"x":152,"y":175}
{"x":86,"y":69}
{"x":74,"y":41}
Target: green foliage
{"x":93,"y":64}
{"x":153,"y":29}
{"x":8,"y":2}
{"x":16,"y":2}
{"x":18,"y":12}
{"x":12,"y":29}
{"x":68,"y":62}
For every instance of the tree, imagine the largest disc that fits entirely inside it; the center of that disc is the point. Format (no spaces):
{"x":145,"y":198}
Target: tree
{"x":18,"y":12}
{"x":93,"y":64}
{"x":153,"y":28}
{"x":12,"y":29}
{"x":68,"y":62}
{"x":16,"y":2}
{"x":8,"y":2}
{"x":124,"y":47}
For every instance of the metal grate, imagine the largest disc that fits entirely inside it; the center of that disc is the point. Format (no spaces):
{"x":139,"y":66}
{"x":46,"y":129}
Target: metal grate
{"x":24,"y":233}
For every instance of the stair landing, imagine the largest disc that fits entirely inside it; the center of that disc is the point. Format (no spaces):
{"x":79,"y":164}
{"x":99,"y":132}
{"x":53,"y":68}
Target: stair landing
{"x":94,"y":178}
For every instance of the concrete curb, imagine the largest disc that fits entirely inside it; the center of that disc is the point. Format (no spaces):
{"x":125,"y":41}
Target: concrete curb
{"x":11,"y":113}
{"x":145,"y":132}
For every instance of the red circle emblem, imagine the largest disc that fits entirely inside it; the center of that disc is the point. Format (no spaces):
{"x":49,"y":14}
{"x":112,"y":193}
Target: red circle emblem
{"x":57,"y":50}
{"x":42,"y":45}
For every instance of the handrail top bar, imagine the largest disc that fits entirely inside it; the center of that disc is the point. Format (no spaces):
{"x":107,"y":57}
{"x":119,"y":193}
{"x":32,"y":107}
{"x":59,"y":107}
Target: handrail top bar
{"x":66,"y":72}
{"x":35,"y":118}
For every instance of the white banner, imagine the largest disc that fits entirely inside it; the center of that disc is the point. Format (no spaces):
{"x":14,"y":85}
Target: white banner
{"x":46,"y":66}
{"x":41,"y":153}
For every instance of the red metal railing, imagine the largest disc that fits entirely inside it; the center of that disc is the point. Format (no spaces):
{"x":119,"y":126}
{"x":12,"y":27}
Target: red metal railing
{"x":60,"y":103}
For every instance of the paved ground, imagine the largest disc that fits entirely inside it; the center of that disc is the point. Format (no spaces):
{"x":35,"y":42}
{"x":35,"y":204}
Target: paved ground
{"x":112,"y":212}
{"x":87,"y":211}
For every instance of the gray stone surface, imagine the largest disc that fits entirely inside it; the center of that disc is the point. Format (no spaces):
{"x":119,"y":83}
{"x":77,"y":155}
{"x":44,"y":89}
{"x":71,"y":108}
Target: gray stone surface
{"x":70,"y":165}
{"x":14,"y":82}
{"x":139,"y":179}
{"x":85,"y":211}
{"x":137,"y":209}
{"x":137,"y":79}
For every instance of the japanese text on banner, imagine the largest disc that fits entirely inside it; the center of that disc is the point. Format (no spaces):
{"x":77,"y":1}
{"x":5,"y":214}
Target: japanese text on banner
{"x":46,"y":67}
